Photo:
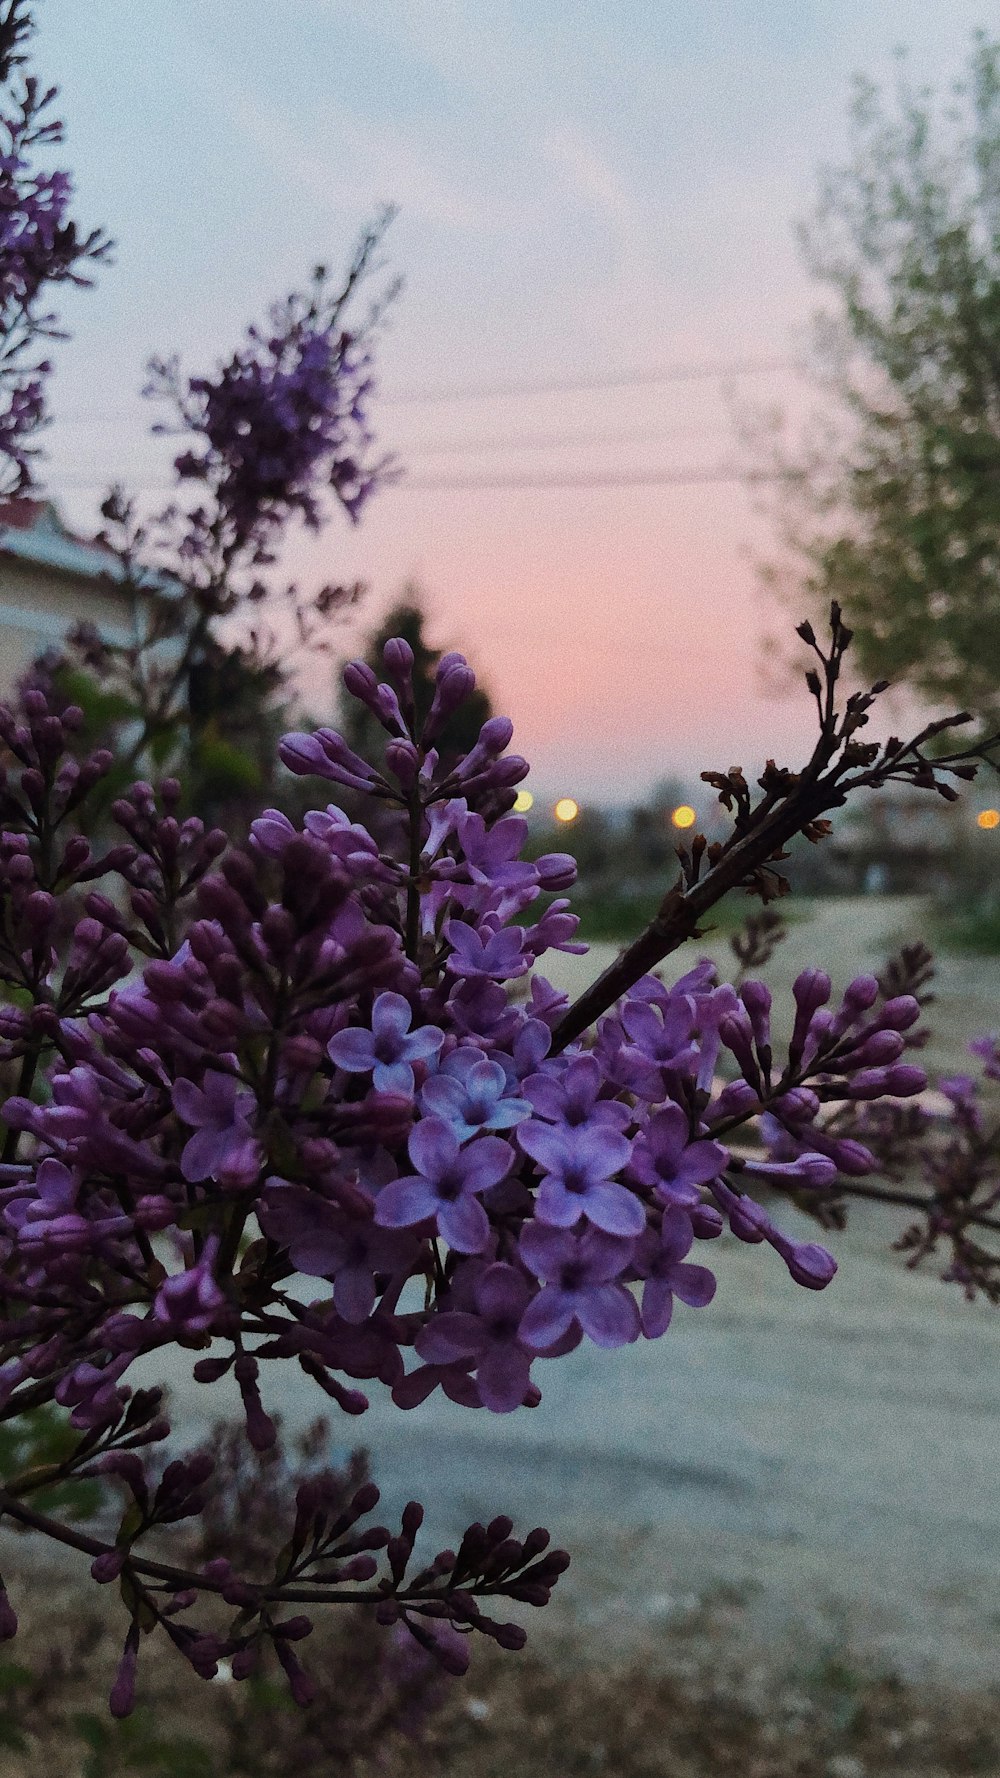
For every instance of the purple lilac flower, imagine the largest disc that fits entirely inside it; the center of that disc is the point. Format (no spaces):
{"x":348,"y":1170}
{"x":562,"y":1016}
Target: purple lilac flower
{"x":48,"y":1220}
{"x":808,"y":1263}
{"x":555,"y":931}
{"x":189,"y":1302}
{"x":324,"y":1243}
{"x":472,"y":1094}
{"x":577,"y":1166}
{"x":571,"y":1099}
{"x":662,"y":1033}
{"x":497,"y":956}
{"x":224,"y":1147}
{"x":387,"y":1051}
{"x":808,"y":1169}
{"x":665,"y":1159}
{"x":479,"y":1008}
{"x":660,"y":1259}
{"x":491,"y":856}
{"x":489,"y":1335}
{"x":446,"y":1185}
{"x":579,"y":1276}
{"x":281,"y":419}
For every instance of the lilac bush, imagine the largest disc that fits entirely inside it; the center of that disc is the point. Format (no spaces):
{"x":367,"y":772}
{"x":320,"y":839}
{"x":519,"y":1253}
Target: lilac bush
{"x":40,"y":245}
{"x":313,"y":1102}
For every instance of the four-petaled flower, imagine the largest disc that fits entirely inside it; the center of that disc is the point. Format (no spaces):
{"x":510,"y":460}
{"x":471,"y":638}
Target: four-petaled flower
{"x":577,"y":1165}
{"x":490,"y":1336}
{"x":663,"y":1157}
{"x":573,"y":1099}
{"x":661,"y":1258}
{"x":224,"y":1147}
{"x":445,"y":1185}
{"x":471,"y":1093}
{"x":499,"y":956}
{"x":389,"y":1049}
{"x":323,"y":1243}
{"x":579,"y":1276}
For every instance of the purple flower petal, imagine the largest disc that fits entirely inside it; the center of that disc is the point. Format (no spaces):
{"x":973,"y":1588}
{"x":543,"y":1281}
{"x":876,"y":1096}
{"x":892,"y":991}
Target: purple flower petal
{"x":354,"y":1293}
{"x":503,"y":1375}
{"x":695,"y":1285}
{"x":545,"y":1250}
{"x":548,"y":1318}
{"x":421,"y":1044}
{"x":405,"y":1202}
{"x":464,"y":1224}
{"x":609,"y":1315}
{"x":353,"y":1050}
{"x":560,"y":1208}
{"x":676,"y":1235}
{"x":433,"y":1146}
{"x":611,"y":1207}
{"x":392,"y":1077}
{"x":501,"y":1290}
{"x":391,"y":1016}
{"x":450,"y":1336}
{"x":487,"y":1160}
{"x":657,"y":1307}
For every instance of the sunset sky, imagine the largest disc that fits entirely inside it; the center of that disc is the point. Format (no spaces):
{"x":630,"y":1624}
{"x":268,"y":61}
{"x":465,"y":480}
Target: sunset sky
{"x":588,"y":194}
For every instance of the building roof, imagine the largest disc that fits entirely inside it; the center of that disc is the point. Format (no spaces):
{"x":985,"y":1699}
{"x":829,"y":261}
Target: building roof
{"x":33,"y":531}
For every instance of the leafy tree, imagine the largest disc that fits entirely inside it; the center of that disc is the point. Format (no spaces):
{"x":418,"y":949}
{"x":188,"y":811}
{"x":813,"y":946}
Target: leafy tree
{"x":893,"y":508}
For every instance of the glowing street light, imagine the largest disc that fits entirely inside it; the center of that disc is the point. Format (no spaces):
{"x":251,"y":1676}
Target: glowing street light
{"x":566,"y":809}
{"x":523,"y":802}
{"x":684,"y":816}
{"x":988,"y":818}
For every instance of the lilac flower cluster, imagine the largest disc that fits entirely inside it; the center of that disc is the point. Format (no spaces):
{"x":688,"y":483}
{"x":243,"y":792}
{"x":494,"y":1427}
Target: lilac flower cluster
{"x":314,"y":1102}
{"x":280,"y":419}
{"x":40,"y":245}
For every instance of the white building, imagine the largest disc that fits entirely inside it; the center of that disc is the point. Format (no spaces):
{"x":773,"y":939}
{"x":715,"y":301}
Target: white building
{"x":50,"y":581}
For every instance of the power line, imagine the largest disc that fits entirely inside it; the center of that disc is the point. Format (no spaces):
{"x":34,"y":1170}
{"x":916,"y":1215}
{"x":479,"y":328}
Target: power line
{"x":468,"y":446}
{"x":624,"y":379}
{"x":640,"y":478}
{"x":688,"y":476}
{"x":667,"y":373}
{"x":545,"y":441}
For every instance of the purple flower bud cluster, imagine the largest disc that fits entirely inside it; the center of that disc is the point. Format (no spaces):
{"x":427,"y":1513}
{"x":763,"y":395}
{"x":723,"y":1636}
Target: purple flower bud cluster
{"x":306,"y":1102}
{"x":40,"y":245}
{"x":279,"y":421}
{"x":852,"y":1054}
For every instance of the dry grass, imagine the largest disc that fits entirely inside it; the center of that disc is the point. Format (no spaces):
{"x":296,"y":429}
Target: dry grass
{"x":686,"y":1709}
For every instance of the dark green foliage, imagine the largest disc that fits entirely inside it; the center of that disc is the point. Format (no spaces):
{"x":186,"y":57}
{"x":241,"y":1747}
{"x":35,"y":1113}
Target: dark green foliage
{"x":138,"y":1745}
{"x":39,"y":1438}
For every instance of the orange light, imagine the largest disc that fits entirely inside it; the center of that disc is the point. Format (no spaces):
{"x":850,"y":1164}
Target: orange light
{"x":523,"y":802}
{"x":684,"y":816}
{"x":566,"y":809}
{"x":988,"y":818}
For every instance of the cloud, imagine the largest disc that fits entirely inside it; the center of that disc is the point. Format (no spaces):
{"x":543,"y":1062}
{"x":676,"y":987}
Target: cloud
{"x":350,"y":162}
{"x":590,"y":178}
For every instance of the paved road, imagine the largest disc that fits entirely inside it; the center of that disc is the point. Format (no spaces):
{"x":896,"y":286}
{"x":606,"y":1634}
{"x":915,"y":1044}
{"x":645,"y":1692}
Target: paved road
{"x":832,"y":1459}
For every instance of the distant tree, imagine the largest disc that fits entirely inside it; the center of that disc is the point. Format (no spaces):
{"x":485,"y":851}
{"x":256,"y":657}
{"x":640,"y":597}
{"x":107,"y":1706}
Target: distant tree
{"x":407,"y":619}
{"x":894,"y":508}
